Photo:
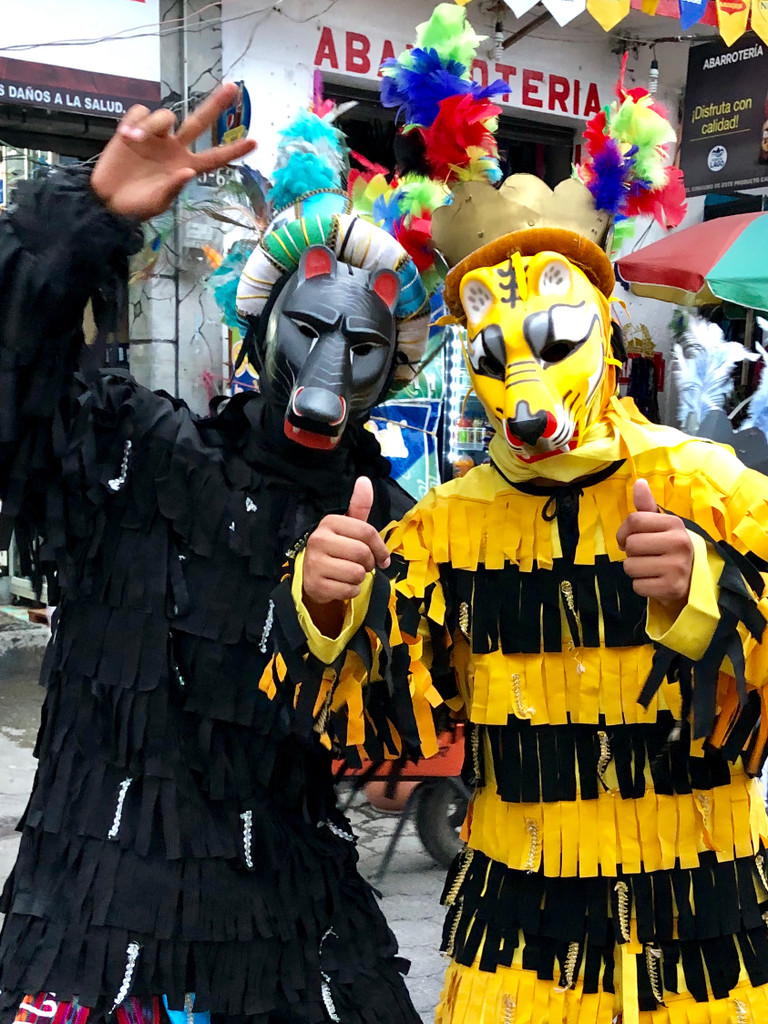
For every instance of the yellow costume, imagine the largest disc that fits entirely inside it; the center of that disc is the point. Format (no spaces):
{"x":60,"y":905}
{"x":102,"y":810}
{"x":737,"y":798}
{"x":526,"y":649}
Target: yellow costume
{"x":615,"y":844}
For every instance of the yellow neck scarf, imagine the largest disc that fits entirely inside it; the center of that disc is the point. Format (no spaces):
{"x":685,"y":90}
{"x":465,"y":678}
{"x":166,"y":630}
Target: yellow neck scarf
{"x":622,"y":432}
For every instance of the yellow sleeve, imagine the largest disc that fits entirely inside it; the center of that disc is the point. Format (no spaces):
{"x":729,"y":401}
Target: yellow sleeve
{"x":327,"y":649}
{"x":692,"y":630}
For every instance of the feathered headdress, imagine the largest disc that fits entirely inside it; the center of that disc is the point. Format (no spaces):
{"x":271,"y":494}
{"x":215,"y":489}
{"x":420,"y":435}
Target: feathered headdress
{"x":451,"y":118}
{"x":627,"y":167}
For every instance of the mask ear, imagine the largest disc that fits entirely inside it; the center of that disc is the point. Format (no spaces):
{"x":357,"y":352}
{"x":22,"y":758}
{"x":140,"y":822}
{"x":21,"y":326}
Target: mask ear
{"x":386,"y":284}
{"x":316,"y":261}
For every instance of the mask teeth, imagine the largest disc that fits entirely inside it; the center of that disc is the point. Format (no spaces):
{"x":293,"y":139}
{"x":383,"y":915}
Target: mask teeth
{"x":622,"y":892}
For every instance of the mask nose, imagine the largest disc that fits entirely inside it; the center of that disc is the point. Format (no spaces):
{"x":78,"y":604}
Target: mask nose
{"x":320,"y":405}
{"x":527,"y":426}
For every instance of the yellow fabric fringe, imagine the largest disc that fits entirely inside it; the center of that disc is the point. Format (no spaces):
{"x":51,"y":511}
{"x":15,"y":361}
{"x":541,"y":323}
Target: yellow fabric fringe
{"x":513,"y":995}
{"x":652,"y":833}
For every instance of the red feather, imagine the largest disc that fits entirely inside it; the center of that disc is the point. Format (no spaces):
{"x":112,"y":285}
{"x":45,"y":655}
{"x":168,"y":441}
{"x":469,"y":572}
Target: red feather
{"x":460,"y":125}
{"x":416,"y":238}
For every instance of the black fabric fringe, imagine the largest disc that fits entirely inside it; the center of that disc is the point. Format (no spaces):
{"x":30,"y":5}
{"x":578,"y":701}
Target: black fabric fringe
{"x":519,"y":612}
{"x":166,"y":536}
{"x":739,"y":581}
{"x":554,"y":763}
{"x":702,"y":917}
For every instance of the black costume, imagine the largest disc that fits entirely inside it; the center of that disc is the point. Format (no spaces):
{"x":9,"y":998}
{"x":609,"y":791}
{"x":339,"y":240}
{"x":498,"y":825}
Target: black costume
{"x":180,"y":836}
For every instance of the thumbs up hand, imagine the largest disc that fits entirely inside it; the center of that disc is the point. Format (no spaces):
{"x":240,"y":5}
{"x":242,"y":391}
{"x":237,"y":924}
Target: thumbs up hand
{"x":342,"y":550}
{"x":659,"y":551}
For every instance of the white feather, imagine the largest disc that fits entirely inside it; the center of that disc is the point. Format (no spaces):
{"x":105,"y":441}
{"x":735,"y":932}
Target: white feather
{"x":758,"y":403}
{"x":703,"y":371}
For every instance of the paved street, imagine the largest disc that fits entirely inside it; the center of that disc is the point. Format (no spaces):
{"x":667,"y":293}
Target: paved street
{"x":410,"y":890}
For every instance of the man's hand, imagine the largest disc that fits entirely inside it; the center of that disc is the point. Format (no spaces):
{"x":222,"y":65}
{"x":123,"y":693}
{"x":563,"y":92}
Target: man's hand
{"x":659,"y":551}
{"x":342,"y":551}
{"x":146,"y":163}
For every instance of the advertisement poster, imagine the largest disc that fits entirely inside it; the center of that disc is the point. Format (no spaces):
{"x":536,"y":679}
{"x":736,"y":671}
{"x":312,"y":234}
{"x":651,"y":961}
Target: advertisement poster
{"x":724,"y":143}
{"x":95,"y":57}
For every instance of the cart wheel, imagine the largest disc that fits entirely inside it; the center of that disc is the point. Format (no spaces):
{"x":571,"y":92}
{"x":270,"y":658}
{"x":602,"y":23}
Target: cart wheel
{"x":440,"y":812}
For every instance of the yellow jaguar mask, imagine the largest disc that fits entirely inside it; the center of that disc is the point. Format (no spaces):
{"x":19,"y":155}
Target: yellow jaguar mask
{"x":539,"y":351}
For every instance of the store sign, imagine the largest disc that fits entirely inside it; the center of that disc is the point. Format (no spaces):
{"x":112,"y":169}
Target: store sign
{"x":530,"y":88}
{"x":725,"y":125}
{"x":106,"y":56}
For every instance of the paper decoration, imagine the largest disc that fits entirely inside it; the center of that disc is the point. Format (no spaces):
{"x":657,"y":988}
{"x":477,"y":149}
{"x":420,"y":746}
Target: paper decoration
{"x":608,"y":13}
{"x":520,"y":7}
{"x":564,"y":11}
{"x":732,"y":17}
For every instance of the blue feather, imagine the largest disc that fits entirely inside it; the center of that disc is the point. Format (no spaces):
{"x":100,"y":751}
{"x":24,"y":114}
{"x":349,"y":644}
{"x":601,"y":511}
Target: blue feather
{"x":418,"y":89}
{"x":224,"y":280}
{"x":312,"y":155}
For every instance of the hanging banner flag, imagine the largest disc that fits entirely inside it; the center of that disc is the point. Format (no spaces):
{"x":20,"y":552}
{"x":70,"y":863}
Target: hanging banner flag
{"x":760,"y":18}
{"x":691,"y":12}
{"x":520,"y":7}
{"x":649,"y":6}
{"x":732,"y":17}
{"x":564,"y":11}
{"x":608,"y":13}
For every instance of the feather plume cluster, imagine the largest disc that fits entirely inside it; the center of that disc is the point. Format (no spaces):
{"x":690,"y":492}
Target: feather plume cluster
{"x":312,"y":155}
{"x":627,"y":167}
{"x":703,"y":371}
{"x":404,"y":208}
{"x":758,"y":403}
{"x":437,"y":102}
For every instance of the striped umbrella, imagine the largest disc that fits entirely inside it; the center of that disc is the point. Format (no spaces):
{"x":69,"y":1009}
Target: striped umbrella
{"x":725,"y":259}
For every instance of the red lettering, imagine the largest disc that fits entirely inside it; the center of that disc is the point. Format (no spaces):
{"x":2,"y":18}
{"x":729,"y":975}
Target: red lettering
{"x":592,"y":102}
{"x":482,"y":67}
{"x":326,"y":50}
{"x":506,"y":71}
{"x":358,"y":48}
{"x":387,"y":51}
{"x":531,"y":82}
{"x":559,"y":91}
{"x":576,"y":95}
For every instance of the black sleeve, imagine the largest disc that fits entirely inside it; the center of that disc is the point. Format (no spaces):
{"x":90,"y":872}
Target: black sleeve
{"x":59,"y":248}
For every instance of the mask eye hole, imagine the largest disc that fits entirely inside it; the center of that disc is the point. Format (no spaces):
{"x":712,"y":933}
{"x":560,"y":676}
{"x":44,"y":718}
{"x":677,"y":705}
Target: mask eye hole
{"x":476,"y":300}
{"x":555,"y":278}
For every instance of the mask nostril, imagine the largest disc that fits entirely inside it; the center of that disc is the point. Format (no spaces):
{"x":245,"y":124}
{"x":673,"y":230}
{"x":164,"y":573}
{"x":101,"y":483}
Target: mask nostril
{"x":527,"y":426}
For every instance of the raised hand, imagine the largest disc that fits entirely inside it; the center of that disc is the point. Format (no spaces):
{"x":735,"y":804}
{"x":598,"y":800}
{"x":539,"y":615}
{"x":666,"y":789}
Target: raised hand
{"x":659,"y":551}
{"x":146,"y":163}
{"x":342,"y":550}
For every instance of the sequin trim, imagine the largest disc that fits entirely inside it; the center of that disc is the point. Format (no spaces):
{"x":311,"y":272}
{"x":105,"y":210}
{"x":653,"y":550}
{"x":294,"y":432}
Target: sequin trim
{"x":116,"y":483}
{"x":250,"y":505}
{"x":509,"y":1010}
{"x":622,"y":895}
{"x":132,"y":953}
{"x":475,"y":742}
{"x":464,"y":618}
{"x":532,"y":828}
{"x":247,"y":819}
{"x":330,"y":1006}
{"x":339,"y":832}
{"x":453,"y":892}
{"x":605,"y":756}
{"x":112,"y":834}
{"x":267,"y":627}
{"x":652,"y":961}
{"x":450,"y":945}
{"x":760,"y":865}
{"x":521,"y":709}
{"x":743,"y":1016}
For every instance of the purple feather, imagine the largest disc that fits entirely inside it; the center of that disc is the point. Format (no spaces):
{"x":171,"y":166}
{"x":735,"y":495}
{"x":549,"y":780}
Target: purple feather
{"x":610,"y":170}
{"x":418,"y":90}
